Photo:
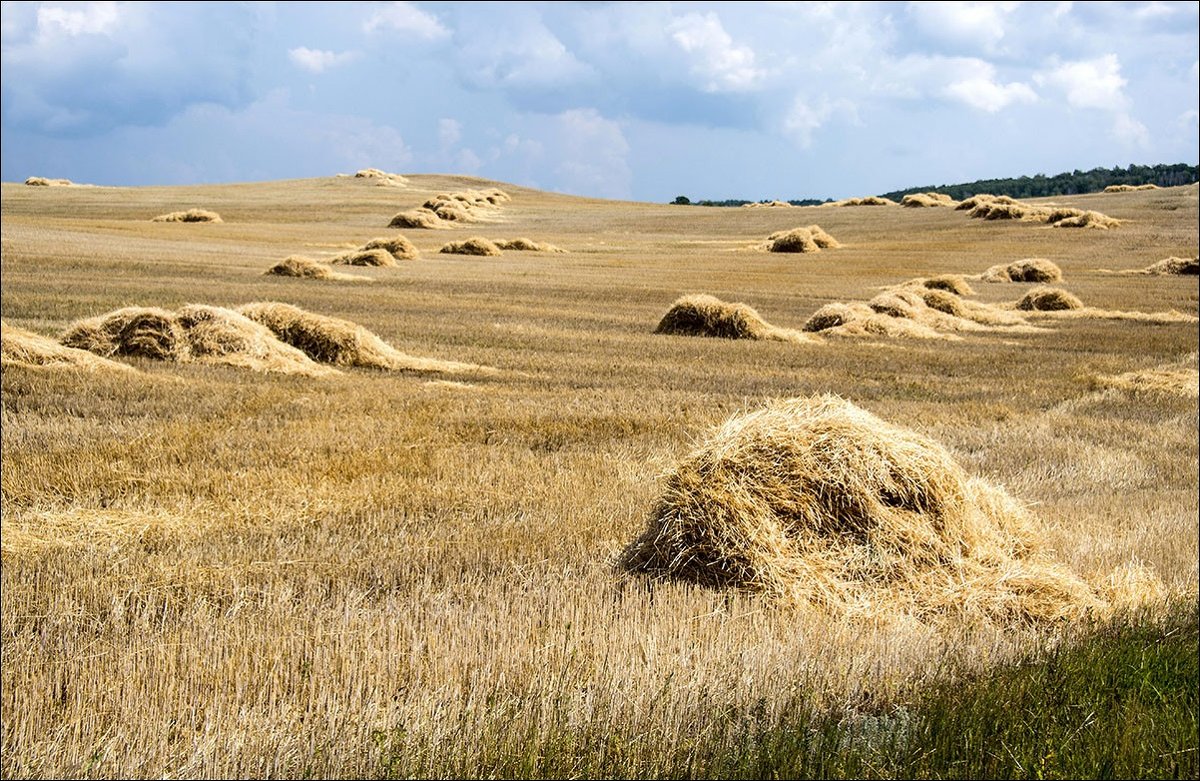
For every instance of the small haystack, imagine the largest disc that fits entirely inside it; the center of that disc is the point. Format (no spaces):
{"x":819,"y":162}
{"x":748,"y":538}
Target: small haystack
{"x":767,"y":205}
{"x":1048,"y":299}
{"x":856,"y":320}
{"x":19,"y":347}
{"x":476,"y":245}
{"x":191,"y":215}
{"x":1181,"y":266}
{"x":811,"y":238}
{"x":399,"y":247}
{"x":705,"y":315}
{"x":1126,"y":188}
{"x":41,"y":181}
{"x":342,"y":343}
{"x":307,"y":268}
{"x":423,"y":219}
{"x":968,"y":204}
{"x":364,"y":257}
{"x":925,"y":200}
{"x":1026,"y":270}
{"x":522,"y":244}
{"x":1084,"y":219}
{"x":870,"y":200}
{"x":814,"y":501}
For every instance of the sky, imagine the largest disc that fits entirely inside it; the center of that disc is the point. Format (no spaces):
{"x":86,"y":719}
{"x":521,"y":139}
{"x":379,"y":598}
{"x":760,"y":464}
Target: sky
{"x":642,"y":101}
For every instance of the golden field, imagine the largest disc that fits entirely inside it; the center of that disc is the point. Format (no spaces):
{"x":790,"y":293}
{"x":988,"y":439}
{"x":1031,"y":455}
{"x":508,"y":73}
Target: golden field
{"x":214,"y":572}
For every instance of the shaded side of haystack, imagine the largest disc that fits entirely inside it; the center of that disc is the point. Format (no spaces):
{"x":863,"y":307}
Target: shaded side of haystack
{"x":41,"y":181}
{"x":399,"y":247}
{"x":1048,"y":299}
{"x":223,"y":336}
{"x":144,"y":332}
{"x":365,"y":257}
{"x":522,"y":244}
{"x":19,"y":347}
{"x":1189,"y":266}
{"x":925,"y":200}
{"x":340,"y":342}
{"x":816,"y":501}
{"x":418,"y":218}
{"x":476,"y":245}
{"x":1025,"y":270}
{"x":1086,"y":219}
{"x":705,"y":315}
{"x":191,"y":215}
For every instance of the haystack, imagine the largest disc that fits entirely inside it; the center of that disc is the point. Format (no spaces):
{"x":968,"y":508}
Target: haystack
{"x":1125,"y":188}
{"x":705,"y":315}
{"x":1000,"y":210}
{"x":856,"y":319}
{"x":1190,"y":266}
{"x":815,"y":501}
{"x":1085,"y":219}
{"x":767,"y":205}
{"x":41,"y":181}
{"x":1026,"y":270}
{"x":870,"y":200}
{"x":951,"y":283}
{"x":399,"y":247}
{"x":223,"y":336}
{"x":364,"y":257}
{"x":341,"y":342}
{"x":424,"y":219}
{"x":967,"y":204}
{"x":522,"y":244}
{"x":307,"y":268}
{"x":1048,"y":299}
{"x":796,"y":240}
{"x":143,"y":332}
{"x":381,"y":178}
{"x":919,"y":200}
{"x":476,"y":245}
{"x":19,"y":347}
{"x":191,"y":215}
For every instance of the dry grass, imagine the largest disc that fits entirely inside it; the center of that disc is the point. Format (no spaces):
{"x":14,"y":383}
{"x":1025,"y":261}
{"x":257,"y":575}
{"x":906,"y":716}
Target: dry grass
{"x":817,"y":501}
{"x":1167,"y":380}
{"x":522,"y":244}
{"x":476,"y":245}
{"x":307,"y":268}
{"x":705,"y":315}
{"x":191,"y":215}
{"x":21,"y":348}
{"x":338,"y":342}
{"x":1026,"y":270}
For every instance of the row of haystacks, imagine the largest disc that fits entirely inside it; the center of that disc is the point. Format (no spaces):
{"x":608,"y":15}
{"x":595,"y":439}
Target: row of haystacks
{"x":1002,"y":207}
{"x":1126,"y":188}
{"x":801,"y":239}
{"x":816,"y":502}
{"x":265,"y":337}
{"x":446,"y":209}
{"x":479,"y":246}
{"x":381,"y":178}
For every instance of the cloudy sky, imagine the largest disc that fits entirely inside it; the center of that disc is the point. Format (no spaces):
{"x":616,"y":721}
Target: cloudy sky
{"x":622,"y":100}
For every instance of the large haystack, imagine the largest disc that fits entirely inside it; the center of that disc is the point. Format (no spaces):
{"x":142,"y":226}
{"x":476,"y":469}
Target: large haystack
{"x":365,"y":257}
{"x":398,"y":246}
{"x":424,"y":219}
{"x":307,"y":268}
{"x":705,"y":315}
{"x":191,"y":215}
{"x":815,"y":501}
{"x":134,"y":331}
{"x":19,"y":347}
{"x":341,"y":342}
{"x":925,"y":200}
{"x":1025,"y":270}
{"x":522,"y":244}
{"x":223,"y":336}
{"x":975,"y":200}
{"x":41,"y":181}
{"x":476,"y":245}
{"x":811,"y":238}
{"x":1048,"y":299}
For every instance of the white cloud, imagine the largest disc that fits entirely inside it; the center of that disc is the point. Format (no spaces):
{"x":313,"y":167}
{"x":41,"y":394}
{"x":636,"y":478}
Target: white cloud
{"x":593,"y":155}
{"x":981,"y":90}
{"x":973,"y":25}
{"x":1131,"y":132}
{"x":725,"y":67}
{"x":87,"y":19}
{"x":1093,"y":83}
{"x":406,"y":18}
{"x":318,"y":60}
{"x":805,"y":118}
{"x":522,"y":55}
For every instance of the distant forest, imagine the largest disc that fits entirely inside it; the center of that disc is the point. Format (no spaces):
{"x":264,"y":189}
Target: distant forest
{"x":1040,"y":185}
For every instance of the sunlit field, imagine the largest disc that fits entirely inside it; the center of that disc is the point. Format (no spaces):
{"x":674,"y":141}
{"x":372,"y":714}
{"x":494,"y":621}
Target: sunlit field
{"x":211,"y":571}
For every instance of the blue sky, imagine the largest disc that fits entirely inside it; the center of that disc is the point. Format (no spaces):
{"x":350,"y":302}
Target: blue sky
{"x":618,"y":100}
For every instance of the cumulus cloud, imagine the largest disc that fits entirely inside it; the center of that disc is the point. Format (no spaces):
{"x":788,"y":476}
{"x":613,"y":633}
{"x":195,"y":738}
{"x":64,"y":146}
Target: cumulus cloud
{"x":406,"y":18}
{"x":94,"y":19}
{"x":979,"y":88}
{"x":518,"y":53}
{"x":1095,"y":83}
{"x":975,"y":26}
{"x":724,"y":66}
{"x":1130,"y":132}
{"x":968,"y":80}
{"x":318,"y":60}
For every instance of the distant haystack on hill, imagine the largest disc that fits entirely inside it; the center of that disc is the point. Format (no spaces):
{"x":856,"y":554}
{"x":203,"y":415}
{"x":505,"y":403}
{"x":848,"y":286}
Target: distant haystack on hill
{"x":992,"y":207}
{"x":768,"y":205}
{"x":41,"y":181}
{"x":191,"y":215}
{"x":476,"y":245}
{"x":19,"y":347}
{"x":522,"y":244}
{"x":705,"y":315}
{"x":196,"y":333}
{"x":381,"y":178}
{"x":816,"y":501}
{"x":1027,"y":270}
{"x":870,"y":200}
{"x":800,"y":239}
{"x":1125,"y":188}
{"x":307,"y":268}
{"x":919,"y":200}
{"x":331,"y":340}
{"x":1085,"y":219}
{"x":445,"y":209}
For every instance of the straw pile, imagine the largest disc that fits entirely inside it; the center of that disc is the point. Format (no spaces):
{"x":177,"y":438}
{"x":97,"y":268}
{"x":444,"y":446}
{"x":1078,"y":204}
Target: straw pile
{"x":1125,"y":188}
{"x":191,"y":215}
{"x":705,"y":315}
{"x":817,"y":502}
{"x":919,"y":200}
{"x":418,"y":218}
{"x":1048,"y":299}
{"x":445,"y":209}
{"x":399,"y":247}
{"x":1027,"y":270}
{"x":41,"y":181}
{"x":364,"y":257}
{"x":768,"y":205}
{"x":476,"y":245}
{"x":856,"y":319}
{"x":307,"y":268}
{"x":141,"y":332}
{"x":800,"y":239}
{"x":870,"y":200}
{"x":381,"y":178}
{"x":1001,"y":207}
{"x":1082,"y":219}
{"x":19,"y":347}
{"x":522,"y":244}
{"x":1189,"y":266}
{"x":331,"y":340}
{"x":951,"y":283}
